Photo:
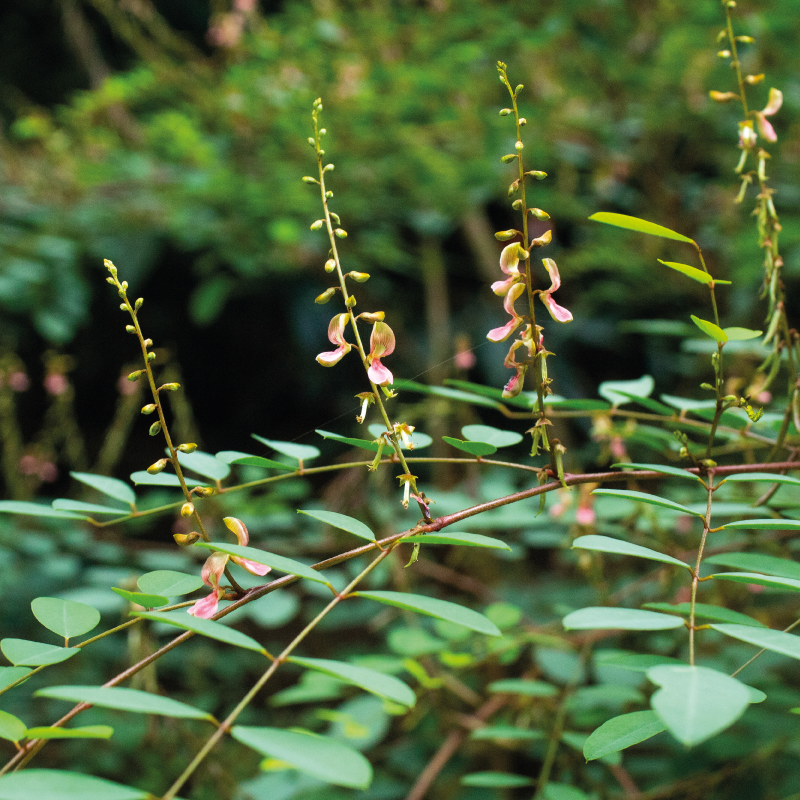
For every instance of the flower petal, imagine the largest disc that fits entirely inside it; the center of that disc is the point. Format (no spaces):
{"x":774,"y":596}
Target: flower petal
{"x":205,"y":608}
{"x":381,"y":341}
{"x":238,"y":527}
{"x":331,"y":357}
{"x":501,"y":288}
{"x":552,"y":270}
{"x":557,"y":312}
{"x":765,"y":128}
{"x":379,"y":374}
{"x":213,"y":569}
{"x":774,"y":103}
{"x":509,"y":259}
{"x":252,"y":567}
{"x":501,"y":334}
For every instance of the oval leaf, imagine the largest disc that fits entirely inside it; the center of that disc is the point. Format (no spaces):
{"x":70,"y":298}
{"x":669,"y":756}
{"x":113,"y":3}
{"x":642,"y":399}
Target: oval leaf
{"x":786,"y":644}
{"x":705,"y":611}
{"x":56,"y":784}
{"x":280,"y":563}
{"x":111,"y":487}
{"x":204,"y":464}
{"x":452,"y":537}
{"x":758,"y":579}
{"x":478,"y":449}
{"x":606,"y":544}
{"x":144,"y":600}
{"x":628,"y":619}
{"x":650,"y":499}
{"x":697,"y":702}
{"x":144,"y":478}
{"x":524,"y":687}
{"x":65,"y":617}
{"x":442,"y":609}
{"x":301,"y":452}
{"x":205,"y":627}
{"x":124,"y":700}
{"x":621,"y":732}
{"x":691,"y":272}
{"x":167,"y":583}
{"x":638,"y":225}
{"x":639,"y":662}
{"x":764,"y":524}
{"x":506,"y":733}
{"x":86,"y":732}
{"x":318,"y":756}
{"x":9,"y":675}
{"x":343,"y":522}
{"x":740,"y":334}
{"x":385,"y":686}
{"x":611,"y":390}
{"x":441,"y":391}
{"x":22,"y":652}
{"x":710,"y":329}
{"x":11,"y":728}
{"x":756,"y":562}
{"x":489,"y":435}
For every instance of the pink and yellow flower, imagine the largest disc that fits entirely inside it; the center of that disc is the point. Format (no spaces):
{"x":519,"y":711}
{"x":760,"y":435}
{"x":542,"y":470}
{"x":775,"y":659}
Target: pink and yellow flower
{"x":557,"y":312}
{"x":773,"y":106}
{"x":502,"y":333}
{"x":381,"y":343}
{"x":336,"y":336}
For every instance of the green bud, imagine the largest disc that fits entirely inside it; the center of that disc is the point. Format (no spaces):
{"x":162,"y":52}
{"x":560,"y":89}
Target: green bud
{"x":123,"y":306}
{"x":148,"y":342}
{"x":154,"y":469}
{"x":329,"y":194}
{"x":322,"y":131}
{"x":315,"y":226}
{"x":516,"y":205}
{"x":121,"y":293}
{"x":538,"y":174}
{"x":510,"y":157}
{"x":707,"y":386}
{"x":350,"y":302}
{"x":539,"y":214}
{"x":189,"y":447}
{"x":169,"y":387}
{"x":328,"y":168}
{"x":138,"y":304}
{"x":309,"y":179}
{"x":513,"y":188}
{"x":522,"y":121}
{"x":111,"y":281}
{"x":323,"y":298}
{"x":519,"y":145}
{"x":373,"y":316}
{"x":745,"y":39}
{"x":312,"y":141}
{"x":724,"y":54}
{"x":358,"y":277}
{"x":342,"y":234}
{"x":185,"y":539}
{"x":134,"y":376}
{"x":187,"y":509}
{"x":151,"y":356}
{"x":518,"y":89}
{"x":149,"y":408}
{"x":335,"y":217}
{"x":124,"y":286}
{"x":130,"y":329}
{"x":330,"y":265}
{"x":109,"y":265}
{"x":155,"y":429}
{"x":203,"y":491}
{"x":504,"y":236}
{"x":505,"y":112}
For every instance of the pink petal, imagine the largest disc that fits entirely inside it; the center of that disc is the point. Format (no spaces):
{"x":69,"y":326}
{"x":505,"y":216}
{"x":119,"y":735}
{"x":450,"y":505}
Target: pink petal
{"x":205,"y":608}
{"x":501,"y":334}
{"x":379,"y":374}
{"x":774,"y":103}
{"x":214,"y":569}
{"x":252,"y":567}
{"x":501,"y":288}
{"x":239,"y":528}
{"x":514,"y":386}
{"x":557,"y":312}
{"x":509,"y":259}
{"x":765,"y":128}
{"x":332,"y":357}
{"x":552,"y":270}
{"x":381,"y":340}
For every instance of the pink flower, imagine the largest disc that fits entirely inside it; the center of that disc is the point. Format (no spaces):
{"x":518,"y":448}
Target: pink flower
{"x":18,"y":381}
{"x":336,"y":336}
{"x":381,"y":343}
{"x":773,"y":106}
{"x":557,"y":312}
{"x":514,"y":386}
{"x":502,"y":333}
{"x":509,"y":263}
{"x":238,"y":527}
{"x":56,"y":383}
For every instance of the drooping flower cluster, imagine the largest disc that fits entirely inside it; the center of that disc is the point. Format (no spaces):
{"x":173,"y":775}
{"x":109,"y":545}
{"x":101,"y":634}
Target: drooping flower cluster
{"x":214,"y":569}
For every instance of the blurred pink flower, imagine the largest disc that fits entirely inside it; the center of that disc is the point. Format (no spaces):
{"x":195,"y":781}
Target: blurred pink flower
{"x":56,"y":384}
{"x":773,"y":106}
{"x":585,"y":516}
{"x":18,"y":381}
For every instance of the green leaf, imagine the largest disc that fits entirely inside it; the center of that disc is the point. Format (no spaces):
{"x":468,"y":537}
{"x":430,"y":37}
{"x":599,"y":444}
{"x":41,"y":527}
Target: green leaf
{"x":364,"y":444}
{"x":765,"y":524}
{"x":605,"y":544}
{"x":691,"y":272}
{"x":167,"y":583}
{"x":478,"y":449}
{"x":489,"y":435}
{"x":695,"y":703}
{"x":756,"y":562}
{"x":11,"y":728}
{"x":123,"y":700}
{"x":638,"y":225}
{"x":740,"y":334}
{"x":34,"y":510}
{"x":442,"y":609}
{"x":280,"y":563}
{"x":266,"y":463}
{"x":63,"y":504}
{"x":649,"y":403}
{"x":628,"y":619}
{"x":710,"y":329}
{"x":9,"y":675}
{"x":111,"y":487}
{"x":441,"y":391}
{"x":180,"y":618}
{"x":490,"y":392}
{"x":621,"y":732}
{"x":495,"y":780}
{"x":758,"y":579}
{"x":143,"y":478}
{"x":761,"y":477}
{"x":452,"y":537}
{"x":319,"y":756}
{"x":24,"y":653}
{"x":385,"y":686}
{"x":662,"y":468}
{"x":651,"y":499}
{"x":563,"y":791}
{"x":204,"y":464}
{"x":641,"y":387}
{"x":65,"y":617}
{"x":86,"y":732}
{"x":506,"y":733}
{"x":56,"y":784}
{"x":343,"y":522}
{"x":578,"y":405}
{"x":524,"y":687}
{"x":705,"y":611}
{"x":302,"y":452}
{"x":144,"y":600}
{"x":786,"y":644}
{"x":639,"y":662}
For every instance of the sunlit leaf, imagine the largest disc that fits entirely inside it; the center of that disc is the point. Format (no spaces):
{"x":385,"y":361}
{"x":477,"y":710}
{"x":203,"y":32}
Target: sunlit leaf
{"x":123,"y":700}
{"x":11,"y":728}
{"x":86,"y":732}
{"x":489,"y":435}
{"x":111,"y":487}
{"x":629,"y":619}
{"x":280,"y":563}
{"x":641,"y":387}
{"x":343,"y":522}
{"x":606,"y":544}
{"x":302,"y":452}
{"x":691,"y":272}
{"x":65,"y":617}
{"x":453,"y":537}
{"x":710,"y":329}
{"x":763,"y":524}
{"x":24,"y":653}
{"x":650,"y":499}
{"x":621,"y":732}
{"x":167,"y":583}
{"x":756,"y":562}
{"x":740,"y":334}
{"x":319,"y":756}
{"x":442,"y":609}
{"x":56,"y":784}
{"x":697,"y":702}
{"x":180,"y":618}
{"x":638,"y":225}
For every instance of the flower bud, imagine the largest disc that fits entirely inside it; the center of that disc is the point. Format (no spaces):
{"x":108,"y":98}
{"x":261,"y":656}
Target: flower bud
{"x":203,"y":491}
{"x":155,"y":428}
{"x":513,"y":188}
{"x":335,"y":217}
{"x":111,"y":281}
{"x":523,"y":121}
{"x":504,"y":236}
{"x":537,"y":173}
{"x":130,"y":329}
{"x":350,"y":302}
{"x":507,"y":158}
{"x":151,"y":356}
{"x":109,"y":265}
{"x":189,"y":447}
{"x":723,"y":97}
{"x":359,"y":277}
{"x":516,"y":205}
{"x":134,"y":376}
{"x":707,"y":386}
{"x":187,"y":509}
{"x":169,"y":387}
{"x":149,"y":408}
{"x":330,"y":265}
{"x":185,"y":539}
{"x":542,"y":240}
{"x":309,"y":179}
{"x":148,"y":342}
{"x":138,"y":304}
{"x":312,"y":141}
{"x":745,"y":39}
{"x":323,"y":298}
{"x":518,"y":89}
{"x":154,"y":469}
{"x":328,"y":167}
{"x":505,"y":112}
{"x":317,"y":224}
{"x":724,"y":54}
{"x":754,"y":79}
{"x":123,"y":307}
{"x":519,"y":145}
{"x":329,"y":194}
{"x":373,"y":316}
{"x":342,"y":234}
{"x":539,"y":214}
{"x":322,"y":131}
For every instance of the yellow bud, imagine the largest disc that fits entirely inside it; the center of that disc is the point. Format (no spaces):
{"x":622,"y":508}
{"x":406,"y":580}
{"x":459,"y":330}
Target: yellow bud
{"x":330,"y":265}
{"x":134,"y":376}
{"x":203,"y":491}
{"x":187,"y":509}
{"x":189,"y":447}
{"x":154,"y":469}
{"x":359,"y":277}
{"x":185,"y":539}
{"x":149,"y":408}
{"x":323,"y":298}
{"x":317,"y":224}
{"x":169,"y":387}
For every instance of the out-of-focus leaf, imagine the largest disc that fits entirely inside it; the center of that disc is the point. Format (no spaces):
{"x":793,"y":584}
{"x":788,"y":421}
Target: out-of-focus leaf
{"x":180,"y":618}
{"x":638,"y":225}
{"x":650,"y":499}
{"x":111,"y":487}
{"x":629,"y":619}
{"x":24,"y":653}
{"x":621,"y":732}
{"x":302,"y":452}
{"x":56,"y":784}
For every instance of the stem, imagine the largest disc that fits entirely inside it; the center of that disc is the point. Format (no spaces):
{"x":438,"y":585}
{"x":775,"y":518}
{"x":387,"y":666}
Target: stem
{"x":696,"y":571}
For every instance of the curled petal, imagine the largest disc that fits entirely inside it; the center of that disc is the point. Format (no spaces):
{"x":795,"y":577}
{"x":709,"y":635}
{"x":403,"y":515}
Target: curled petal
{"x":557,"y":312}
{"x":213,"y":569}
{"x":501,"y":288}
{"x":509,"y":259}
{"x":514,"y":386}
{"x":501,"y":334}
{"x":765,"y":128}
{"x":251,"y":566}
{"x":205,"y":608}
{"x":552,"y":270}
{"x":774,"y":103}
{"x":336,"y":336}
{"x":238,"y":527}
{"x":379,"y":374}
{"x":381,"y":341}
